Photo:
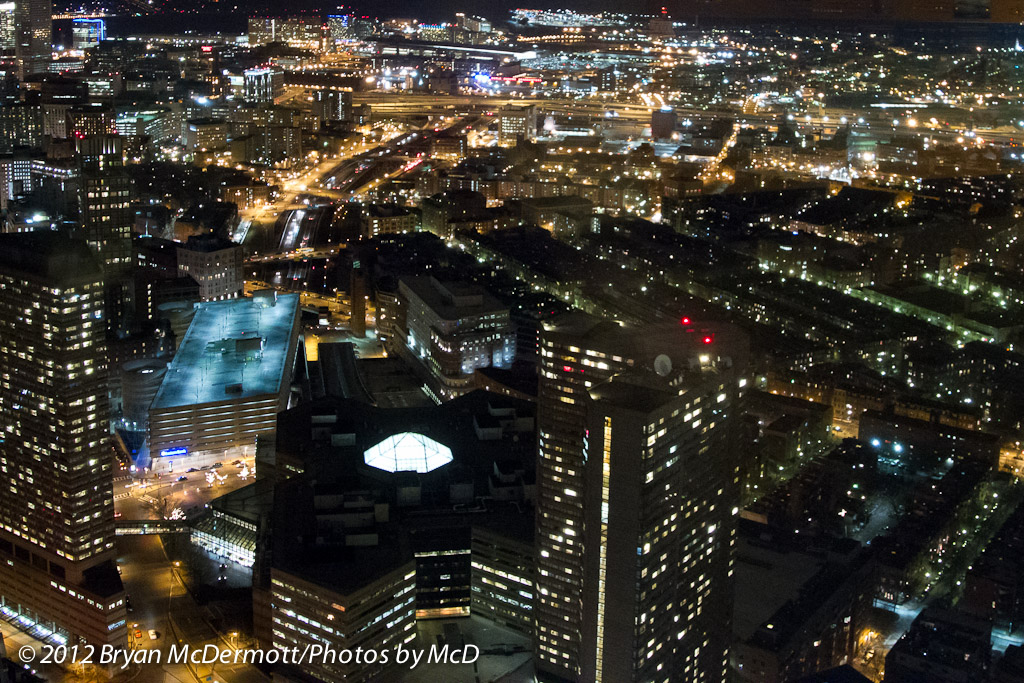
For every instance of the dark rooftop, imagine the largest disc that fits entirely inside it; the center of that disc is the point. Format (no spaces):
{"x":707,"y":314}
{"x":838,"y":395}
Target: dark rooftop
{"x":49,"y":255}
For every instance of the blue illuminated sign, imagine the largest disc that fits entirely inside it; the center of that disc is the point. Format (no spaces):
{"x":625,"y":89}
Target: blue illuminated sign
{"x":180,"y":450}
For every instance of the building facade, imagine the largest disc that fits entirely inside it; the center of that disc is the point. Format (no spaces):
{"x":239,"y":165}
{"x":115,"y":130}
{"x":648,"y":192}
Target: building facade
{"x":103,"y":200}
{"x":229,"y":379}
{"x":57,"y":553}
{"x":578,"y":354}
{"x":515,"y":123}
{"x":214,"y":263}
{"x":33,"y":24}
{"x":453,"y":329}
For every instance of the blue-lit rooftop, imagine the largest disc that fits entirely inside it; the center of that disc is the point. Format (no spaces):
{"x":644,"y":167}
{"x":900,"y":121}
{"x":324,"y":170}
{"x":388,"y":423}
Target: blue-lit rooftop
{"x":233,"y":349}
{"x":408,"y":452}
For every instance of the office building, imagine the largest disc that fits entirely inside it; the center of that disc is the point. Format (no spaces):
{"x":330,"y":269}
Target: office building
{"x":503,"y":568}
{"x":230,"y":377}
{"x":332,"y":106}
{"x":295,"y":32}
{"x":88,"y":32}
{"x":384,"y":219}
{"x":21,"y":125}
{"x":55,"y":182}
{"x":33,"y":24}
{"x":372,"y":609}
{"x":15,"y":178}
{"x":215,"y":263}
{"x":90,"y":119}
{"x":262,"y":84}
{"x":369,"y":533}
{"x":516,"y":123}
{"x":340,"y":27}
{"x":206,"y":134}
{"x":451,"y":329}
{"x":7,"y":26}
{"x":57,"y":569}
{"x":583,"y":425}
{"x":104,"y":214}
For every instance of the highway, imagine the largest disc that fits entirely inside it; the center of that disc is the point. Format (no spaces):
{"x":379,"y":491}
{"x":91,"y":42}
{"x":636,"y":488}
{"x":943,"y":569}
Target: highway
{"x":875,"y":121}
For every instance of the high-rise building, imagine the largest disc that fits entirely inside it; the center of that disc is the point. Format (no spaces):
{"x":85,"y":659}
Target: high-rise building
{"x":91,"y":119}
{"x":215,"y":263}
{"x":88,"y":32}
{"x":33,"y":25}
{"x":581,"y":425}
{"x":262,"y":84}
{"x":515,"y":123}
{"x":662,"y":496}
{"x":451,"y":329}
{"x":21,"y":125}
{"x":56,"y":512}
{"x":332,"y":106}
{"x":340,"y":27}
{"x":7,"y":31}
{"x":103,"y":200}
{"x":105,"y":220}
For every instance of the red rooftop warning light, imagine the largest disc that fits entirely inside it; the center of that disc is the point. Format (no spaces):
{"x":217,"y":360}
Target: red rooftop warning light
{"x":708,"y":339}
{"x":685,"y":320}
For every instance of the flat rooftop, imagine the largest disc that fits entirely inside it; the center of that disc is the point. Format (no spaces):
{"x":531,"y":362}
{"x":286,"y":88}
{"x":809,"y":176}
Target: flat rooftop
{"x":233,"y":349}
{"x":453,"y":300}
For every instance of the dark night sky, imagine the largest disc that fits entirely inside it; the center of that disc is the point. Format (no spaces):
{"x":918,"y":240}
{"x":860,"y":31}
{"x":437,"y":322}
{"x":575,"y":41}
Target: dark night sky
{"x":424,"y":10}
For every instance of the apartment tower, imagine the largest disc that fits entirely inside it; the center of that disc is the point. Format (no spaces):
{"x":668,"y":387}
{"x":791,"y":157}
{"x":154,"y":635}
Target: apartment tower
{"x":57,"y":550}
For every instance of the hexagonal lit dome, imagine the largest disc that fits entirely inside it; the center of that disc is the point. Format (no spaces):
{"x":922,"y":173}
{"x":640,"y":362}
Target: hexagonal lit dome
{"x":408,"y":452}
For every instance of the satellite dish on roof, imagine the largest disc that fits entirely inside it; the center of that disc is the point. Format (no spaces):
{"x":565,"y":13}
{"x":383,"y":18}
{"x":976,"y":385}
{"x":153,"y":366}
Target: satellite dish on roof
{"x":662,"y":365}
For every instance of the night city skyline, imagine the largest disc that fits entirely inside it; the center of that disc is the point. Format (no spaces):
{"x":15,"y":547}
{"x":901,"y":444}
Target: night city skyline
{"x":408,"y":342}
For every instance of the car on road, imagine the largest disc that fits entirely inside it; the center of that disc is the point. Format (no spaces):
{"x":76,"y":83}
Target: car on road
{"x":218,"y":465}
{"x":153,"y":635}
{"x":138,"y":635}
{"x":183,"y":478}
{"x":192,"y":469}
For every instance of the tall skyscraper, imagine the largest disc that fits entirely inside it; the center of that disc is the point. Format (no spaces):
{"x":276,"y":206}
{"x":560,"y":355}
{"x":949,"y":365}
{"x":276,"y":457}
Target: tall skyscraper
{"x":103,"y":200}
{"x":332,"y":106}
{"x":56,"y":512}
{"x":33,"y":26}
{"x":661,"y":500}
{"x":7,"y":24}
{"x":578,"y":355}
{"x":106,"y":220}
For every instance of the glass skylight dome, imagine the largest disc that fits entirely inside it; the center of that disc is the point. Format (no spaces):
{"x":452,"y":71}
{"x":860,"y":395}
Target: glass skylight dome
{"x":408,"y":452}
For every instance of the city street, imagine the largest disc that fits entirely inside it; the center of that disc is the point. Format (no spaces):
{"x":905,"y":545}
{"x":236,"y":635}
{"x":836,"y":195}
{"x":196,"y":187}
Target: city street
{"x":154,"y":496}
{"x":160,"y":602}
